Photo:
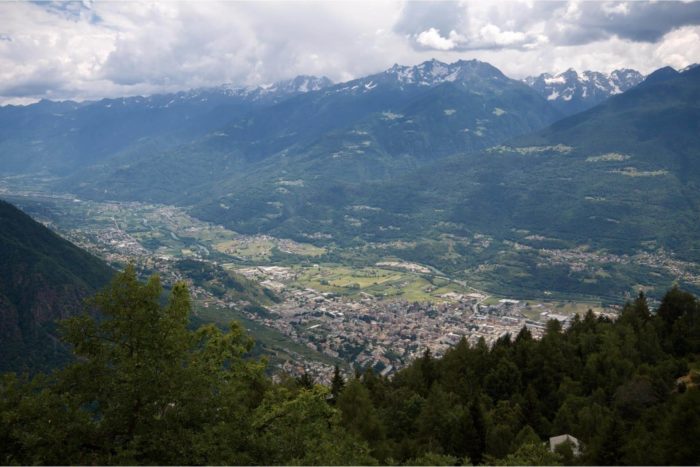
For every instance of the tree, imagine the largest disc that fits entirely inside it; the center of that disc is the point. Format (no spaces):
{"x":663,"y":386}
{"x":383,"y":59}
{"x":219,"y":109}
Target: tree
{"x":682,"y":430}
{"x":149,"y":382}
{"x":337,"y":383}
{"x":505,"y":419}
{"x":680,"y":315}
{"x":609,"y":449}
{"x":526,"y":435}
{"x":426,"y":366}
{"x":360,"y":418}
{"x":303,"y":429}
{"x":430,"y":458}
{"x":143,"y":388}
{"x":305,"y":381}
{"x":531,"y":454}
{"x":38,"y":426}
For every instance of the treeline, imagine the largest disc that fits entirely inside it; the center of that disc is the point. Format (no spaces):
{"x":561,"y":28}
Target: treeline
{"x":145,"y":389}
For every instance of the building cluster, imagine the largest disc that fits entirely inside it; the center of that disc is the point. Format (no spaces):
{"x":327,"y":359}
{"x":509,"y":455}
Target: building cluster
{"x":363,"y":331}
{"x":388,"y":334}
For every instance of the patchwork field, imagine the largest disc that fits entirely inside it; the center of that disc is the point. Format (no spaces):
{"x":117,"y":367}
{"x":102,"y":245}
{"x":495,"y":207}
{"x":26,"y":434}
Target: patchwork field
{"x":378,"y":282}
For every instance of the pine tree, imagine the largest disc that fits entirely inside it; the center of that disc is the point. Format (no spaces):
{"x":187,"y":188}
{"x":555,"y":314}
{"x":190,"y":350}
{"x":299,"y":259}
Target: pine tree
{"x":337,"y":383}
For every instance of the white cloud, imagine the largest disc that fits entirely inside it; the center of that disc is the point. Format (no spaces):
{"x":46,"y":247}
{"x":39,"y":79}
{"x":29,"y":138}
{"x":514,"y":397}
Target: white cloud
{"x":433,"y":40}
{"x":615,"y":8}
{"x":679,"y":48}
{"x":493,"y":34}
{"x":106,"y":49}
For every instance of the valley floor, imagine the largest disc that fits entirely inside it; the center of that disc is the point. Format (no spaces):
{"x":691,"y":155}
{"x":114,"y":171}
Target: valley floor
{"x":361,"y":306}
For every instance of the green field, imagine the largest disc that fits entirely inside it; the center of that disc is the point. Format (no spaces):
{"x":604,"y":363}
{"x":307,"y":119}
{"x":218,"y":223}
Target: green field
{"x":379,"y":282}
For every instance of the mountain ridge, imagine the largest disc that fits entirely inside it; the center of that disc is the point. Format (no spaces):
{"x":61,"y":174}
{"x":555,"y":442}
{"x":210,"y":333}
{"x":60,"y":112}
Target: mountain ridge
{"x":572,"y":92}
{"x":374,"y":127}
{"x":43,"y":278}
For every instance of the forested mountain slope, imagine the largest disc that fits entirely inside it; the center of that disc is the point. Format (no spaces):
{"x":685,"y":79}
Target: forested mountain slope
{"x":624,"y":172}
{"x":58,"y":138}
{"x":43,"y":278}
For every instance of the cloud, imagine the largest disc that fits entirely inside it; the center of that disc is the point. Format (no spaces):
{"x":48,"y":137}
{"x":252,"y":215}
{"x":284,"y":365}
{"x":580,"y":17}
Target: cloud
{"x":638,"y":21}
{"x":432,"y":39}
{"x":418,"y":17}
{"x":488,"y":36}
{"x":126,"y":48}
{"x":89,"y":50}
{"x":512,"y":24}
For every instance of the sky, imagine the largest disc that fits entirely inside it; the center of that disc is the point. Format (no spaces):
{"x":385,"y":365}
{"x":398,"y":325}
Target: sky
{"x":95,"y":49}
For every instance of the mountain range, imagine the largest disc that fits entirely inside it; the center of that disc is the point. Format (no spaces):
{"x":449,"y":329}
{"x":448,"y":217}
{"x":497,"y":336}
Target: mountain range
{"x":620,"y":177}
{"x":413,"y":152}
{"x":66,"y":137}
{"x":62,"y":137}
{"x":371,"y":128}
{"x":571,"y":92}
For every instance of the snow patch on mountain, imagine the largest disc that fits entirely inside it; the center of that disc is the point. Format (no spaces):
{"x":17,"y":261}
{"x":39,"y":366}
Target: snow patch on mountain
{"x":572,"y":92}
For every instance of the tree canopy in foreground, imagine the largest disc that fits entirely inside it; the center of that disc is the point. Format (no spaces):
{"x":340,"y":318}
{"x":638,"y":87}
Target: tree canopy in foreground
{"x":145,"y":388}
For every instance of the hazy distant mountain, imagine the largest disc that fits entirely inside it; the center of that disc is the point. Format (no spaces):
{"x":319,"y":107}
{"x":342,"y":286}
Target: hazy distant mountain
{"x":571,"y":92}
{"x":370,"y":128}
{"x":60,"y":137}
{"x":617,"y":175}
{"x":428,"y":74}
{"x":662,"y":74}
{"x":278,"y":91}
{"x":43,"y":278}
{"x":433,"y":149}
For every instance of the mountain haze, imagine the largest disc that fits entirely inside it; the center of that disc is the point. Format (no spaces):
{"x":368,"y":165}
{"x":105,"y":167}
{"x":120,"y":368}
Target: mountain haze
{"x":367,"y":129}
{"x":429,"y":151}
{"x":62,"y":137}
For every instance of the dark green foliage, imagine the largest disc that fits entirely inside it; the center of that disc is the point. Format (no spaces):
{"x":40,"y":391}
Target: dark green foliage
{"x":360,"y":417}
{"x":608,"y":383}
{"x":43,"y":278}
{"x":337,"y":383}
{"x":227,"y":284}
{"x":531,"y":454}
{"x":145,"y":389}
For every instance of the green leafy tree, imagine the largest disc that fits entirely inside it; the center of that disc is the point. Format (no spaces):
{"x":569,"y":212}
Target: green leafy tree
{"x":360,"y":418}
{"x":531,"y":454}
{"x":302,"y":429}
{"x":149,"y":383}
{"x":527,"y":435}
{"x":430,"y":458}
{"x":337,"y":383}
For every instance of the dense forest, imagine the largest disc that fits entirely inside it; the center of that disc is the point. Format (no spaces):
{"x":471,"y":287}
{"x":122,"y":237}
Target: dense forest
{"x":146,"y":388}
{"x":43,"y":278}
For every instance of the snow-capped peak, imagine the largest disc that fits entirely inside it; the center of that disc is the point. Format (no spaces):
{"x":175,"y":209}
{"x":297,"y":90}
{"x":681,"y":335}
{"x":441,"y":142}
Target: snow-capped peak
{"x":279,"y":89}
{"x":572,"y":91}
{"x":434,"y":72}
